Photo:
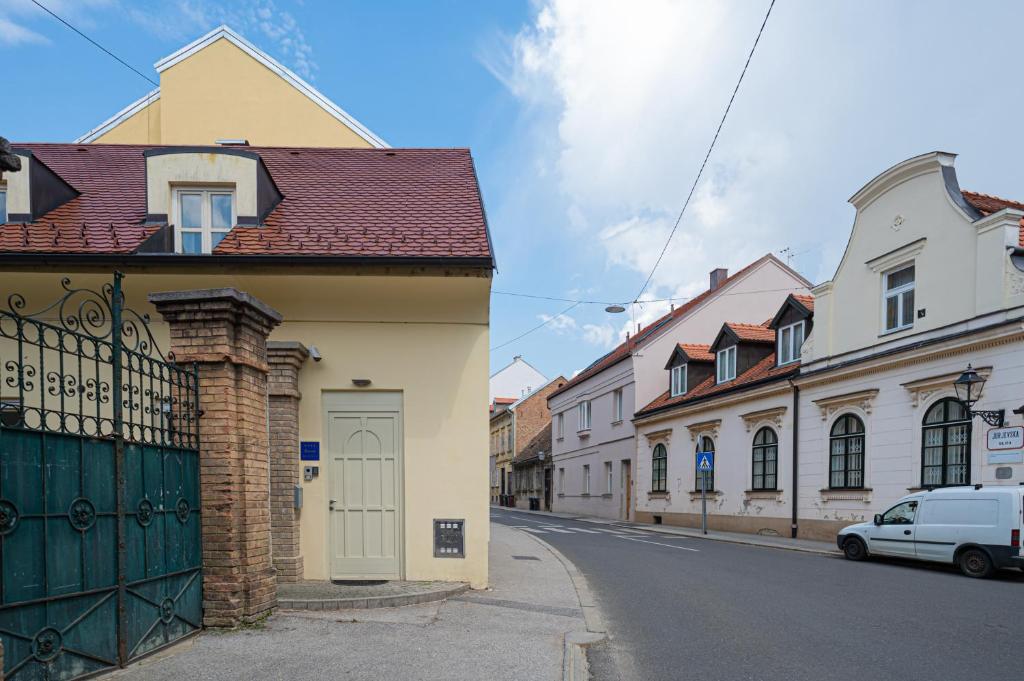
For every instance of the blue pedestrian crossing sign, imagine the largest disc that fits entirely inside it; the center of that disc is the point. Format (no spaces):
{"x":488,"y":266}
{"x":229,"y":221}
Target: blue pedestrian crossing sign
{"x":705,"y":462}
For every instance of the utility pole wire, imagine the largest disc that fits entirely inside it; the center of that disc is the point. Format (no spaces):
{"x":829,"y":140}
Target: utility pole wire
{"x":539,"y":326}
{"x":706,"y":156}
{"x":121,"y":61}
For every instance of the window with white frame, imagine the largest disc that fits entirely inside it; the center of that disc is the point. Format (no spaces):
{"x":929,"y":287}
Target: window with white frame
{"x":607,"y":477}
{"x":678,"y":374}
{"x":616,"y":405}
{"x":203,"y":217}
{"x":726,"y":364}
{"x":560,"y":421}
{"x":3,"y":204}
{"x":586,"y":479}
{"x":898,"y":298}
{"x":789,"y":340}
{"x":584,"y":415}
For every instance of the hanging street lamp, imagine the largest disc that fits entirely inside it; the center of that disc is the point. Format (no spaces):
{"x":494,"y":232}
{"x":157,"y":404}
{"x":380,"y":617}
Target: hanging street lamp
{"x":968,"y":390}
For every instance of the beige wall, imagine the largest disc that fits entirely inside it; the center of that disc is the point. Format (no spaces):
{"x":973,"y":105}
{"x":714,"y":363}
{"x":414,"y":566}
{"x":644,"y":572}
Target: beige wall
{"x":220,"y":93}
{"x":426,"y":336}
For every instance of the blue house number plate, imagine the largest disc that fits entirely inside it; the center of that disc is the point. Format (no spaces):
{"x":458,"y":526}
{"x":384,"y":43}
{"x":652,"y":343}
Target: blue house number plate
{"x":309,"y":451}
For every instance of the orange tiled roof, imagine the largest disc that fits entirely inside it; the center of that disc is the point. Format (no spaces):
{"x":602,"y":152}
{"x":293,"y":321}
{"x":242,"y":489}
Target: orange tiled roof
{"x":806,"y":301}
{"x":754,"y":333}
{"x":988,"y":204}
{"x":765,"y":370}
{"x":697,"y":352}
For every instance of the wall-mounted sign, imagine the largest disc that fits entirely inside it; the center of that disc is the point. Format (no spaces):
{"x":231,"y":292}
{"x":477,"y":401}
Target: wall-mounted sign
{"x":1006,"y":438}
{"x":449,"y":539}
{"x":1006,"y":457}
{"x":309,"y":451}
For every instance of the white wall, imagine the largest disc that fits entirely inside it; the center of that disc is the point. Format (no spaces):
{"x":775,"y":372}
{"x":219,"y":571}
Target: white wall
{"x":515,"y":380}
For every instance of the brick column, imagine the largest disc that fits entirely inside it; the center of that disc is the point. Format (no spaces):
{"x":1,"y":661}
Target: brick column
{"x":285,"y":359}
{"x":225,"y":331}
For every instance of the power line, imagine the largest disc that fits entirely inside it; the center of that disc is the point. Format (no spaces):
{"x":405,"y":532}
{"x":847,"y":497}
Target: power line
{"x":539,"y":326}
{"x":639,"y":302}
{"x":121,"y":61}
{"x":706,"y":156}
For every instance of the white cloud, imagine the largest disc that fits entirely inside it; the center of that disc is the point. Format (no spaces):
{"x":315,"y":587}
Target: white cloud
{"x":560,"y":324}
{"x":14,"y":34}
{"x":601,"y":335}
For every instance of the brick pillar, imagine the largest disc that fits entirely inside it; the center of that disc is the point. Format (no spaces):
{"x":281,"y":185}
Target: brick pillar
{"x":285,"y":359}
{"x":225,"y":332}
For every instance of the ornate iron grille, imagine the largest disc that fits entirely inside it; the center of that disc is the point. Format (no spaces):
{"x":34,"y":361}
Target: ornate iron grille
{"x":100,"y":558}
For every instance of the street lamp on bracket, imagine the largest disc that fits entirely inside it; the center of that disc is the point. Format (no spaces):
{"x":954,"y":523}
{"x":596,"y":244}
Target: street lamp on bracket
{"x":968,"y":390}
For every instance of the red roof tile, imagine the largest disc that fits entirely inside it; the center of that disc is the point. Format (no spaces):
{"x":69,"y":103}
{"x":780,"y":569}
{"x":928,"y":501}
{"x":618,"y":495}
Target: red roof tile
{"x":988,"y":204}
{"x":337,"y":202}
{"x":697,"y":352}
{"x":764,"y":370}
{"x":806,"y":301}
{"x":623,"y":350}
{"x":755,"y":333}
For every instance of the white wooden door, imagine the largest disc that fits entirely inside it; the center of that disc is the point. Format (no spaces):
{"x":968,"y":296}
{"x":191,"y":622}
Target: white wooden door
{"x":364,"y":447}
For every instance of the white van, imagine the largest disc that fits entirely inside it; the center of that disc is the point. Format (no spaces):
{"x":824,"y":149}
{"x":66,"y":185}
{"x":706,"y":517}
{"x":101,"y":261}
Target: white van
{"x":976,"y":528}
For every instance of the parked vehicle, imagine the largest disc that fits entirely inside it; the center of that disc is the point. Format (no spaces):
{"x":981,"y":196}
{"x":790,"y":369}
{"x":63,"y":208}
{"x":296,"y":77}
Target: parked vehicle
{"x":976,"y":528}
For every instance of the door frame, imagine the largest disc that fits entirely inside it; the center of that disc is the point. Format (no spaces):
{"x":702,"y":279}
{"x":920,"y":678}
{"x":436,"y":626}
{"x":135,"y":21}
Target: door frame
{"x":363,"y":402}
{"x":626,"y":486}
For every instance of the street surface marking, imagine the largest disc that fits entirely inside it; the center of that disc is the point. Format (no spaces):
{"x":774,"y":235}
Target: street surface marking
{"x":586,"y":531}
{"x":671,"y":546}
{"x":559,"y":530}
{"x":534,"y":530}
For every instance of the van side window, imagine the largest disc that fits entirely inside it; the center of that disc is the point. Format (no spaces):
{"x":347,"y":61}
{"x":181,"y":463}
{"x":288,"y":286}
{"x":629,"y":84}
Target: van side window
{"x":901,"y":514}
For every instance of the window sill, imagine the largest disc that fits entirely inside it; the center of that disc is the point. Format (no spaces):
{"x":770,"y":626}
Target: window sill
{"x":659,"y":495}
{"x":763,"y":494}
{"x":606,"y":495}
{"x":617,"y":422}
{"x":559,"y":438}
{"x":860,"y":494}
{"x":585,"y":494}
{"x":892,"y":332}
{"x":583,"y":433}
{"x":561,"y":494}
{"x":711,"y":493}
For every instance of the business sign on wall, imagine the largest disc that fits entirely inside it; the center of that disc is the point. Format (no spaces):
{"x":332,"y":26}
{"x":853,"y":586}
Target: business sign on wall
{"x":1006,"y":438}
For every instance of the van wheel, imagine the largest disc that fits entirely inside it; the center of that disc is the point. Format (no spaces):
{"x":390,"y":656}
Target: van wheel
{"x":854,"y":549}
{"x":975,"y":563}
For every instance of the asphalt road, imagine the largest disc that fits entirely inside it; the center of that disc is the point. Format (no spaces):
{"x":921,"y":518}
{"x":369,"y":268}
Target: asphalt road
{"x":681,"y":608}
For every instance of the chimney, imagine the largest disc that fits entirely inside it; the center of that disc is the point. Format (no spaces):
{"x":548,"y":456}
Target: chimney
{"x":718,"y":275}
{"x":517,"y":358}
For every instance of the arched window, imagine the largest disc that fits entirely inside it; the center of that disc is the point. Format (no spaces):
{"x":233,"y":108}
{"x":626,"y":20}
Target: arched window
{"x":946,"y":451}
{"x":706,"y":445}
{"x":765,"y":460}
{"x":659,"y":468}
{"x":846,"y":445}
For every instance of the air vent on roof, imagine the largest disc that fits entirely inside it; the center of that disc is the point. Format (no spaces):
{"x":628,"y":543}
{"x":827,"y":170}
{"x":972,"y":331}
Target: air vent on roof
{"x":389,"y":153}
{"x":233,"y":143}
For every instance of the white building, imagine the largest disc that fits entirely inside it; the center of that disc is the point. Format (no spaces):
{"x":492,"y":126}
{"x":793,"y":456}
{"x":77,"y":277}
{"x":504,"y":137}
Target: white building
{"x":594,"y":443}
{"x":864,"y":411}
{"x":516,"y":380}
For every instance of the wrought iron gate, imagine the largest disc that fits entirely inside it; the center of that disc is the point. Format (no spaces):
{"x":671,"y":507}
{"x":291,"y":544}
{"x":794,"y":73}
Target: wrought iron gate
{"x":100,"y":558}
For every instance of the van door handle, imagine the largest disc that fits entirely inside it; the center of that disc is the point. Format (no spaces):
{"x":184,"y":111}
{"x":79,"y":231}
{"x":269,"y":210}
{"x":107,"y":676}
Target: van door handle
{"x":333,"y":501}
{"x":904,"y":531}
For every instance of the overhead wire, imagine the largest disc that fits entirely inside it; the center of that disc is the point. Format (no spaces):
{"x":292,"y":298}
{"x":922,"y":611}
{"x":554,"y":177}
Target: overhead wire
{"x":711,"y":147}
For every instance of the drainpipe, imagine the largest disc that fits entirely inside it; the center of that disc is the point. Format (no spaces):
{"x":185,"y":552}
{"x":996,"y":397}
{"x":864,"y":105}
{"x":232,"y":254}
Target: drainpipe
{"x":796,"y":456}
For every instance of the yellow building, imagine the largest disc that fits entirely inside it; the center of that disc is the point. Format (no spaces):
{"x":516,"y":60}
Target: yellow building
{"x":223,"y":87}
{"x":379,"y":262}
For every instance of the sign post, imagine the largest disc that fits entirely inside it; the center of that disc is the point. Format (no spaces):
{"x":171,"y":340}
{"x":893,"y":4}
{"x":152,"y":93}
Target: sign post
{"x":705,"y":465}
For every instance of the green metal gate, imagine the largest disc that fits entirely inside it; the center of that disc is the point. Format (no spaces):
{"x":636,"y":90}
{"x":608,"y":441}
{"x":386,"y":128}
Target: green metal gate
{"x":100,"y":558}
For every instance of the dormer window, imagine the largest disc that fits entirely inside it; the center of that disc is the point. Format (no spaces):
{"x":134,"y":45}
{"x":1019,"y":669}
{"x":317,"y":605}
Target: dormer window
{"x":788,"y":342}
{"x":204,"y":217}
{"x":726,"y":364}
{"x":678,"y":374}
{"x":898,"y":298}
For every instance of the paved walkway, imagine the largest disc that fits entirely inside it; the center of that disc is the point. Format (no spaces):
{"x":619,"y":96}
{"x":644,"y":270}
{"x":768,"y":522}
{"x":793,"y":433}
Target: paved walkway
{"x":514,"y":630}
{"x":807,"y":545}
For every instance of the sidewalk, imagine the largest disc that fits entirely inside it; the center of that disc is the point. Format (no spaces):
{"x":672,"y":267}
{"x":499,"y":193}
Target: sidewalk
{"x":806,"y":545}
{"x":514,"y":630}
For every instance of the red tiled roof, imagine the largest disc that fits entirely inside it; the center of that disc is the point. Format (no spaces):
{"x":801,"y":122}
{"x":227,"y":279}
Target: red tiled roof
{"x":505,"y":400}
{"x":988,"y":204}
{"x":337,"y":202}
{"x":697,"y":352}
{"x":762,"y":371}
{"x":623,"y":350}
{"x":754,"y":333}
{"x":806,"y":301}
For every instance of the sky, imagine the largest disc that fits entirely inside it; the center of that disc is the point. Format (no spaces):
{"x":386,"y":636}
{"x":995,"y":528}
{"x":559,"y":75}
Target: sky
{"x":588,"y":121}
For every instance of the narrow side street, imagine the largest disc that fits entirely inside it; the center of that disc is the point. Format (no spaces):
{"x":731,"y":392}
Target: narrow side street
{"x":683,"y":608}
{"x":514,"y":630}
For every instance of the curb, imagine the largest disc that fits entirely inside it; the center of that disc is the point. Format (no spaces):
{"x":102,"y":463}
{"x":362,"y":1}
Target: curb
{"x":574,"y":660}
{"x":372,"y":602}
{"x":661,"y":530}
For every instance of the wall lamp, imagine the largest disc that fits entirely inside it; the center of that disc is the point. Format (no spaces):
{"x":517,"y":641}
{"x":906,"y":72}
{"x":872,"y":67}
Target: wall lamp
{"x":968,"y":390}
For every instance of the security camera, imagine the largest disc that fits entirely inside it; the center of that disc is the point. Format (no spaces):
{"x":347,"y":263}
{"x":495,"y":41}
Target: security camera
{"x":315,"y":353}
